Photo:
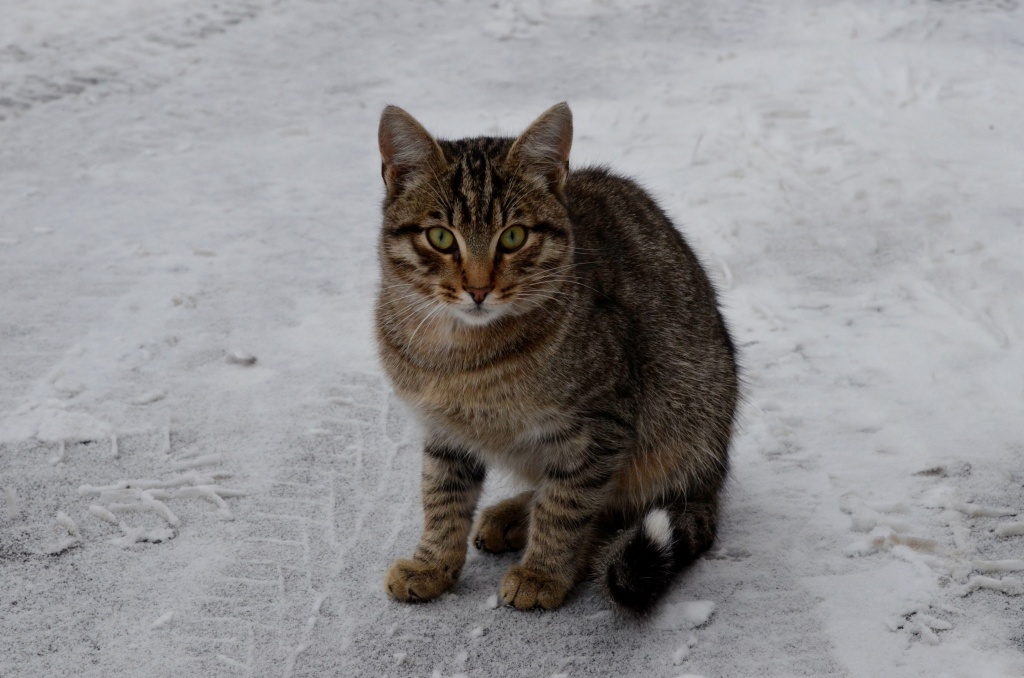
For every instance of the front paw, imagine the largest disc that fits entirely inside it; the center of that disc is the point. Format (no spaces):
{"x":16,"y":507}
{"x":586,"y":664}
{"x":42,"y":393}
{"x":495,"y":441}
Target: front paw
{"x":526,"y":588}
{"x":413,"y":581}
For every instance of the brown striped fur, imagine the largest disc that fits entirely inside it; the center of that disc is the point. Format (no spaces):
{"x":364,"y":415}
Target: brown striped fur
{"x":597,"y":367}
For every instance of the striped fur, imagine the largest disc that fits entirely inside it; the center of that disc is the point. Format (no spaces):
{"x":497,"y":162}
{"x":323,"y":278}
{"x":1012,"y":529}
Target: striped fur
{"x":591,"y":361}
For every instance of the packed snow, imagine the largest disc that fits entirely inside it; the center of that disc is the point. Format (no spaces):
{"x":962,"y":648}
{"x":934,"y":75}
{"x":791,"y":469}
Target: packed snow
{"x":204,"y":472}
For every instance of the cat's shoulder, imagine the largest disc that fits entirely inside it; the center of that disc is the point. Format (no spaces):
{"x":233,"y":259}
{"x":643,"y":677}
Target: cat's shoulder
{"x":602,"y":182}
{"x":599,"y":196}
{"x":598,"y":177}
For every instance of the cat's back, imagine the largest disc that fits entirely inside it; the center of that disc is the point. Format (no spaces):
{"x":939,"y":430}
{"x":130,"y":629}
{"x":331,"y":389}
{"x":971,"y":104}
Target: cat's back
{"x":628,"y":247}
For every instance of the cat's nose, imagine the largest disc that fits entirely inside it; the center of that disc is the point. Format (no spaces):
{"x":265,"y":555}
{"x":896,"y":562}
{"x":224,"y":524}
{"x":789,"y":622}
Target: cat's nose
{"x":478,"y":293}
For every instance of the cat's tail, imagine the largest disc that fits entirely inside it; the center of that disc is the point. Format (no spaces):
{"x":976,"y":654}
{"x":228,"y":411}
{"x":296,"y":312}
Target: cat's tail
{"x":638,"y":564}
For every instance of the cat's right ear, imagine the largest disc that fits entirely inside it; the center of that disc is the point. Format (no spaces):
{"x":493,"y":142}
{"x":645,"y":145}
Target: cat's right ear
{"x":405,"y":148}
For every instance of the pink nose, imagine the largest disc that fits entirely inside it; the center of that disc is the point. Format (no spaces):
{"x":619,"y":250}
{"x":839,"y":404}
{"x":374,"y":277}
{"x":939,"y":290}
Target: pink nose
{"x":478,"y":293}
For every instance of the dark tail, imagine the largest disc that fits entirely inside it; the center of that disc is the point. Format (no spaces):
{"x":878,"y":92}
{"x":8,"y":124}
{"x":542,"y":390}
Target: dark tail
{"x":637,"y":566}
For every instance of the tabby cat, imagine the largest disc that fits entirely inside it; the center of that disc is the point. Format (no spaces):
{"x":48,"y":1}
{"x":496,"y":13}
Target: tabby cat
{"x":554,"y":323}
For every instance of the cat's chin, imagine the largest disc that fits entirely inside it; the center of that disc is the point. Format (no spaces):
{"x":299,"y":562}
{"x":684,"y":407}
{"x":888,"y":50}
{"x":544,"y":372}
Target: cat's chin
{"x":477,"y":317}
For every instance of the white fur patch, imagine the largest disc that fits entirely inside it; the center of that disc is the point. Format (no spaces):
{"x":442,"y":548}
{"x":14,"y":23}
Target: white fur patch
{"x":658,"y":528}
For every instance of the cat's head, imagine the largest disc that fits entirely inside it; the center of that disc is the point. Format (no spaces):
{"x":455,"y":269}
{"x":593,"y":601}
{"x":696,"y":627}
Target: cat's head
{"x":475,"y":230}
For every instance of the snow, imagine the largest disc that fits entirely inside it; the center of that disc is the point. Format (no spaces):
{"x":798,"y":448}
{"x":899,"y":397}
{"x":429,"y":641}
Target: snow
{"x":1011,"y":586}
{"x":67,"y":523}
{"x":11,"y":499}
{"x":189,"y":203}
{"x":241,"y":358}
{"x":999,"y":565}
{"x":680,"y":655}
{"x":163,"y":620}
{"x":1009,"y":530}
{"x":150,"y":397}
{"x":685,"y":615}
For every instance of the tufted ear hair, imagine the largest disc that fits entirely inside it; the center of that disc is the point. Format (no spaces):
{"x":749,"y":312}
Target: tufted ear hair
{"x":405,"y":148}
{"x":543,"y":149}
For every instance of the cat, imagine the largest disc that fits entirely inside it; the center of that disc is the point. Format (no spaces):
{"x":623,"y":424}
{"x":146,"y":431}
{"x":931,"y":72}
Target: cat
{"x":554,"y":323}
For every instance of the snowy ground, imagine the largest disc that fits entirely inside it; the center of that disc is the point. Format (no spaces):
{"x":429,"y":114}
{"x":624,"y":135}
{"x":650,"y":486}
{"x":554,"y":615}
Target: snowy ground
{"x":186,"y":185}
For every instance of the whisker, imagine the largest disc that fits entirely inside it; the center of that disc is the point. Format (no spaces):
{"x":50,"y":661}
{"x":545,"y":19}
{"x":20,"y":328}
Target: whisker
{"x":428,"y":317}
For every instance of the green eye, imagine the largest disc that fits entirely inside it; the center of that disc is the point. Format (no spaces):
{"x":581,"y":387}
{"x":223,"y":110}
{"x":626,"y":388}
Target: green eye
{"x":512,"y":238}
{"x":441,"y":238}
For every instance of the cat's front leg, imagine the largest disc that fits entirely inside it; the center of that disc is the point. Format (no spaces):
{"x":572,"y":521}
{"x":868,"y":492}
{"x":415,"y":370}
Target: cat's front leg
{"x":561,"y":534}
{"x":452,"y":480}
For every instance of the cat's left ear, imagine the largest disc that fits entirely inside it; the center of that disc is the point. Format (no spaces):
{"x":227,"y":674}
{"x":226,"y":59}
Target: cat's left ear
{"x":543,"y":149}
{"x":405,"y":148}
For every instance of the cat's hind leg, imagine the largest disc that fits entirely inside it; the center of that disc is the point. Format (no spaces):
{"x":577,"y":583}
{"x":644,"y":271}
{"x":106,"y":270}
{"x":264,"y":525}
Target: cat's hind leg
{"x":504,"y":526}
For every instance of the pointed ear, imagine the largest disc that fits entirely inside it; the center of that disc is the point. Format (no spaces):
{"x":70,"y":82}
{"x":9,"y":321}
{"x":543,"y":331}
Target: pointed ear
{"x":405,"y":148}
{"x":543,"y":149}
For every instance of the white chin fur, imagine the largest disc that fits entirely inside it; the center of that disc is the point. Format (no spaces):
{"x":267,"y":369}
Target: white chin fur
{"x":658,"y":528}
{"x":477,"y":317}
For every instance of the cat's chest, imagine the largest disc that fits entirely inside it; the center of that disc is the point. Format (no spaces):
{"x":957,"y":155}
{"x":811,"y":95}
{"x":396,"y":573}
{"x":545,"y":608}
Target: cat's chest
{"x":487,"y":412}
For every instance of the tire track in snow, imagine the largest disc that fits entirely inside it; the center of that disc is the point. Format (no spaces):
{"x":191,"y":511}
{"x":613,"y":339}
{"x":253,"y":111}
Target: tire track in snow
{"x":300,"y":538}
{"x":345,"y":502}
{"x":132,"y":60}
{"x":43,"y":575}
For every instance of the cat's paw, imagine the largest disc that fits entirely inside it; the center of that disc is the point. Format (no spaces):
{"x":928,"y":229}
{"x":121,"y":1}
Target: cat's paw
{"x":499,"y":530}
{"x":525,"y":588}
{"x":413,"y":581}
